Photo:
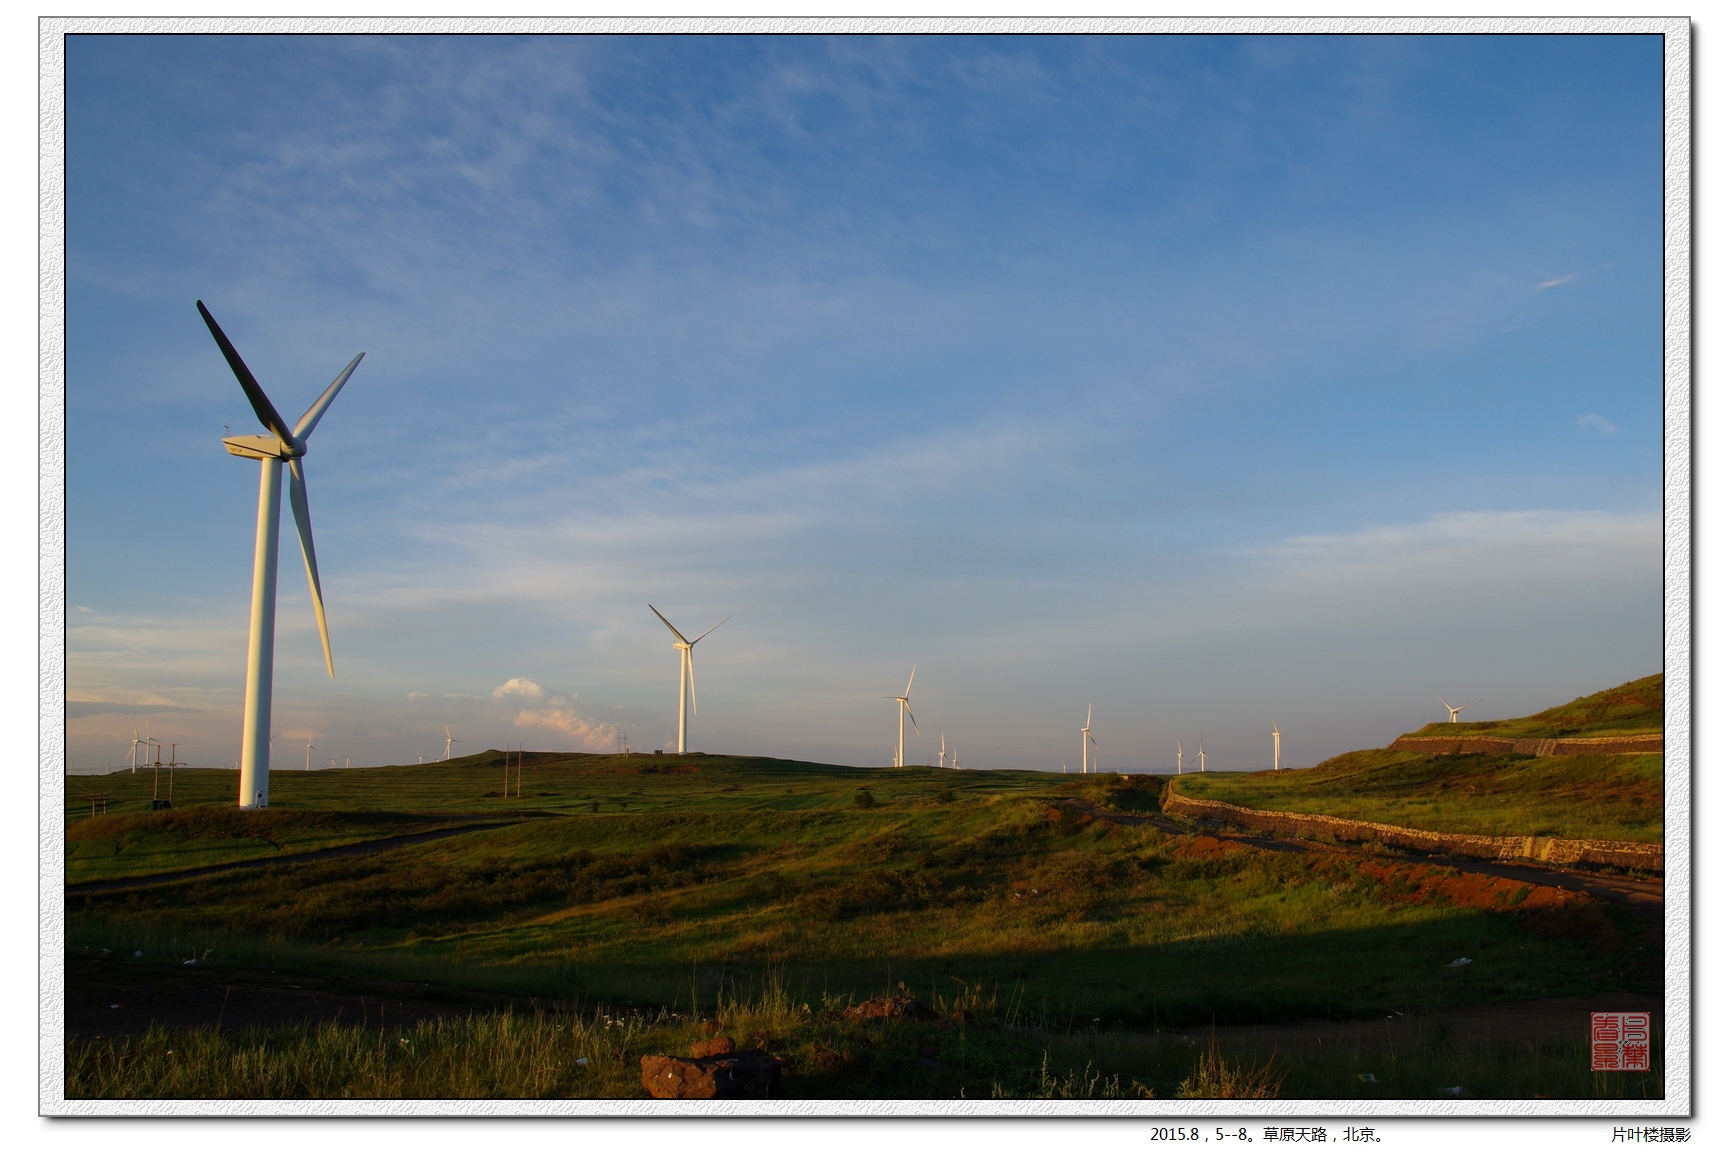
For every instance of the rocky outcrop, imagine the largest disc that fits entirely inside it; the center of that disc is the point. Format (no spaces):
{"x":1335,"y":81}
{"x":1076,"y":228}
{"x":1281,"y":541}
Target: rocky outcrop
{"x":714,"y":1071}
{"x":1652,"y":744}
{"x":888,"y":1007}
{"x":1563,"y":852}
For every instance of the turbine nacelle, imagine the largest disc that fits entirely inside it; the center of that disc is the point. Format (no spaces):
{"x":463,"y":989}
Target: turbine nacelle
{"x":261,"y":448}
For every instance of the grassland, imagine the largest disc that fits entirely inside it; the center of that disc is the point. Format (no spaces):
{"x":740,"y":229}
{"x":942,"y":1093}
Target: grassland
{"x":1634,"y":708}
{"x":1566,"y":796}
{"x":672,"y":888}
{"x":979,"y":1051}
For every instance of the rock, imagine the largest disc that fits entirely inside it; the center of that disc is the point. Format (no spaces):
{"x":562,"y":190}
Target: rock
{"x":889,"y":1007}
{"x":722,"y":1046}
{"x":742,"y":1075}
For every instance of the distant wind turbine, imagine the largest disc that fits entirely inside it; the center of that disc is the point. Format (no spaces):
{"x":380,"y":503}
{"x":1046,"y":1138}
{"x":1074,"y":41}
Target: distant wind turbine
{"x":687,"y":669}
{"x":1201,"y":754}
{"x":942,"y":748}
{"x":903,"y":713}
{"x":1454,"y":712}
{"x":135,"y":742}
{"x":1086,"y":738}
{"x":1180,"y":757}
{"x":449,"y":741}
{"x":1275,"y":745}
{"x":310,"y":748}
{"x":284,"y":445}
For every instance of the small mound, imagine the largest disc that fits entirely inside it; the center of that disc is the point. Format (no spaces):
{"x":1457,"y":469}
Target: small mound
{"x":1207,"y":847}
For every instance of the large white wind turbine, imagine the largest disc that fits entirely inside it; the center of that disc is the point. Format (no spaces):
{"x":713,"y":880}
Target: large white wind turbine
{"x":1201,"y":754}
{"x":687,"y":670}
{"x":1086,"y":738}
{"x":1180,"y":757}
{"x":1454,"y":712}
{"x":942,"y":748}
{"x":448,"y":741}
{"x":284,"y":445}
{"x":1275,"y":745}
{"x":135,"y":742}
{"x":310,"y":748}
{"x":903,"y":713}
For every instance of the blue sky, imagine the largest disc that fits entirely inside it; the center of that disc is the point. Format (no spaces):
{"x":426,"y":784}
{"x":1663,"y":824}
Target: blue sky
{"x":1207,"y":380}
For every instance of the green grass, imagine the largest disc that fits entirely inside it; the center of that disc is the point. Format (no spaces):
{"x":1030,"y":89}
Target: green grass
{"x":667,"y":882}
{"x":1634,"y":708}
{"x":996,"y":1054}
{"x":1618,"y":797}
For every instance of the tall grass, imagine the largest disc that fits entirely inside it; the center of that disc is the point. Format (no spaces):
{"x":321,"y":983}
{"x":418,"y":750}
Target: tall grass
{"x":560,"y":1053}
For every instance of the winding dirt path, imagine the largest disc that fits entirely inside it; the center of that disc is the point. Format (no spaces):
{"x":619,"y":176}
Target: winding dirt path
{"x":368,"y":847}
{"x":1642,"y":896}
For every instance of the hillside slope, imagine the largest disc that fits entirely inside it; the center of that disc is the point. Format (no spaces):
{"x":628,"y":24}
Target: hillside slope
{"x":1636,"y":707}
{"x":1617,"y":797}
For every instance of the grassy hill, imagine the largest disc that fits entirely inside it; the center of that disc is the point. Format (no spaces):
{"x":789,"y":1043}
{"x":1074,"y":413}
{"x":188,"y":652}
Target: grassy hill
{"x":1566,"y":796}
{"x":1634,"y":708}
{"x":688,"y":884}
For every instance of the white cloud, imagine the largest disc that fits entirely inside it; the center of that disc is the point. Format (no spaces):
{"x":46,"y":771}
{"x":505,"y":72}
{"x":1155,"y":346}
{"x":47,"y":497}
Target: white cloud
{"x":518,"y":686}
{"x":1592,"y":421}
{"x":1559,"y":281}
{"x":561,"y":715}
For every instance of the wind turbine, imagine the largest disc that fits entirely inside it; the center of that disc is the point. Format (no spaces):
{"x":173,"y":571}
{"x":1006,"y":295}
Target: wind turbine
{"x":942,"y":748}
{"x":1086,"y":738}
{"x":1201,"y":754}
{"x":903,"y":713}
{"x":135,"y":742}
{"x":1180,"y":757}
{"x":1275,"y":745}
{"x":282,"y":445}
{"x":448,"y":741}
{"x":310,"y":748}
{"x":1454,"y":712}
{"x":687,"y":669}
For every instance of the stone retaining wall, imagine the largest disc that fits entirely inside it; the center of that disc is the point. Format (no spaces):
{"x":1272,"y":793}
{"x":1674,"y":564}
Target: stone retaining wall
{"x":1496,"y":745}
{"x":1564,"y":852}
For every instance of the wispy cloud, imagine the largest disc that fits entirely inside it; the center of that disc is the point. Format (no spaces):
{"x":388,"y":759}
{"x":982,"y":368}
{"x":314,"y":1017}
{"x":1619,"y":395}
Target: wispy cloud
{"x":1592,"y":421}
{"x":1559,"y":281}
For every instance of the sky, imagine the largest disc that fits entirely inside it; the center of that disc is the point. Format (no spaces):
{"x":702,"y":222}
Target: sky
{"x":1208,"y":381}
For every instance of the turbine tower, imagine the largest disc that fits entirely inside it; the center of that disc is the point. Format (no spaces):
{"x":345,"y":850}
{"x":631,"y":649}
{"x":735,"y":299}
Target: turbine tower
{"x":687,"y":670}
{"x":135,"y":742}
{"x":1086,"y":738}
{"x":903,"y":713}
{"x":942,"y":748}
{"x":310,"y":748}
{"x":448,"y":741}
{"x":1201,"y":754}
{"x":282,"y":445}
{"x":1454,"y":712}
{"x":1275,"y":745}
{"x":1180,"y":757}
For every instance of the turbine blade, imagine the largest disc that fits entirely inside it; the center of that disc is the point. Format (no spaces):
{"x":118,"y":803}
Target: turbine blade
{"x":909,"y":708}
{"x":303,"y":525}
{"x":910,"y":676}
{"x":1474,"y":703}
{"x":670,"y":627}
{"x":691,"y":677}
{"x":700,"y":638}
{"x":260,"y":402}
{"x":1090,"y":715}
{"x":313,"y":414}
{"x":1446,"y":704}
